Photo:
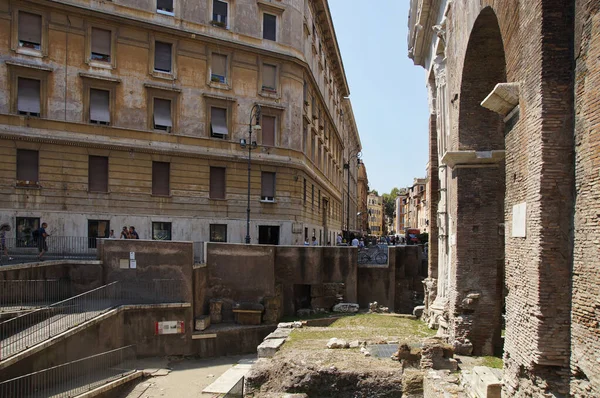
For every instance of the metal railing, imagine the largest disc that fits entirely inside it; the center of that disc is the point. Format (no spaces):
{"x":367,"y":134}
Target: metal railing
{"x":199,"y":254}
{"x":27,"y":249}
{"x":73,"y":378}
{"x":28,"y":330}
{"x":237,"y":391}
{"x":18,"y":295}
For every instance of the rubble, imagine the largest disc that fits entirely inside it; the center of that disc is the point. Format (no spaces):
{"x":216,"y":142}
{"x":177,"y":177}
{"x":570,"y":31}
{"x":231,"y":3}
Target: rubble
{"x":335,"y":343}
{"x":345,"y":307}
{"x":375,"y":308}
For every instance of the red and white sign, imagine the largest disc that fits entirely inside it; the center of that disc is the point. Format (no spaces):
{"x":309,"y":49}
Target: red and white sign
{"x":170,"y":327}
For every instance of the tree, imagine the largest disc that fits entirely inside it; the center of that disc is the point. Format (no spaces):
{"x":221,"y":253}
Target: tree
{"x":389,"y":202}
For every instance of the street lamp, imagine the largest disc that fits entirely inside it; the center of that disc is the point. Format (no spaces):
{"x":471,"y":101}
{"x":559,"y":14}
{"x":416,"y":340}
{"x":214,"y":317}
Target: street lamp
{"x":357,"y":156}
{"x":254,"y":114}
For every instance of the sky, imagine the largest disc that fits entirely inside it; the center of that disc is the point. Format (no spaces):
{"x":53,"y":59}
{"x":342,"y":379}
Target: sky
{"x":387,"y":90}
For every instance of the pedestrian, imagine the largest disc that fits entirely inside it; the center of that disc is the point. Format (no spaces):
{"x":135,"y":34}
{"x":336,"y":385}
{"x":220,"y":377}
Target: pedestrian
{"x":112,"y":234}
{"x":132,"y":233}
{"x":306,"y":243}
{"x":314,"y":241}
{"x":361,"y":243}
{"x":42,"y":235}
{"x":338,"y":240}
{"x":124,"y":233}
{"x":4,"y":228}
{"x":355,"y":242}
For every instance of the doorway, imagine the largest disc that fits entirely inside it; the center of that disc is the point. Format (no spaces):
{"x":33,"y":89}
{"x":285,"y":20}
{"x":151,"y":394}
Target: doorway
{"x":268,"y":235}
{"x":97,"y":229}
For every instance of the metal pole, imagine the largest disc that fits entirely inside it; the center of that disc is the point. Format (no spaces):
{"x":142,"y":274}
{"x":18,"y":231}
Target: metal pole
{"x":249,"y":158}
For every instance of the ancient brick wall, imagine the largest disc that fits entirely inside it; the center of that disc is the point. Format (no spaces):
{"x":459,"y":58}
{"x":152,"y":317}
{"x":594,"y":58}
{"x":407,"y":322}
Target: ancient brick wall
{"x":433,"y":198}
{"x":585,"y":338}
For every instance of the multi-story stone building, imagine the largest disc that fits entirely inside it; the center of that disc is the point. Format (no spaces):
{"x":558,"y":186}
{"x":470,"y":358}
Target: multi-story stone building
{"x":417,"y":205}
{"x":513,"y":184}
{"x":376,"y":213}
{"x":131,"y":112}
{"x":401,"y":212}
{"x":363,"y":193}
{"x":352,"y":162}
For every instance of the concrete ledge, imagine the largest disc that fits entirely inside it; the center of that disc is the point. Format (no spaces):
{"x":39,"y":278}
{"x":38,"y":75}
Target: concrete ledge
{"x":49,"y":263}
{"x":268,"y":348}
{"x":114,"y":384}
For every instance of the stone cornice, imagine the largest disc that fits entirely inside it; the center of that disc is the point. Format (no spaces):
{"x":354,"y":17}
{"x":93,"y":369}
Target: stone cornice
{"x":455,"y":159}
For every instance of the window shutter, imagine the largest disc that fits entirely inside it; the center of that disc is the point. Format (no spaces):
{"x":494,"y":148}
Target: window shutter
{"x":217,"y":183}
{"x":269,"y":27}
{"x":27,"y":165}
{"x":98,"y":174}
{"x":30,"y":27}
{"x":219,"y":65}
{"x":100,"y":105}
{"x":269,"y":72}
{"x":160,"y":178}
{"x":218,"y":120}
{"x":162,"y":56}
{"x":166,"y":5}
{"x":268,"y":130}
{"x":220,"y":11}
{"x":28,"y":97}
{"x":162,"y":112}
{"x":101,"y":41}
{"x":268,"y":184}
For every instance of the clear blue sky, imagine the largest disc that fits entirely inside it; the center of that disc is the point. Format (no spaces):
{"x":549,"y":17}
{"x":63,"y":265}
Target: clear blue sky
{"x":387,"y":90}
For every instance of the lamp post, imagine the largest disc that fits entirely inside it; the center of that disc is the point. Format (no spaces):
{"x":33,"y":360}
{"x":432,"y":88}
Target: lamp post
{"x":357,"y":156}
{"x":254,"y":114}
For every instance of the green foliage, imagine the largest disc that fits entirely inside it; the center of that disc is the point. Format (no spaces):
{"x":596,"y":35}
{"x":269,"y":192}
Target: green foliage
{"x":492,"y":362}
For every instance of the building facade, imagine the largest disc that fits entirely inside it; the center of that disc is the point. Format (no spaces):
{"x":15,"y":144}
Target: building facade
{"x":351,"y":165}
{"x":513,"y":176}
{"x":131,"y":113}
{"x":417,"y":205}
{"x":363,"y":193}
{"x":376,"y":213}
{"x":401,"y":212}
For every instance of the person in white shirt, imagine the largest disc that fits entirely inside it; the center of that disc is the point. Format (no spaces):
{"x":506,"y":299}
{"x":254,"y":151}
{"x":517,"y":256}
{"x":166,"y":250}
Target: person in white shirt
{"x":355,"y":242}
{"x":314,"y":241}
{"x":338,"y":240}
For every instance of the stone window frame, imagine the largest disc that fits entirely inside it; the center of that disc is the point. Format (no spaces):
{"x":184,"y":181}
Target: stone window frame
{"x":228,"y":78}
{"x":277,"y":112}
{"x":43,"y":52}
{"x":166,"y":13}
{"x":219,"y":102}
{"x":272,"y":9}
{"x":113,"y":45}
{"x":28,"y":71}
{"x":99,"y":82}
{"x":162,"y":92}
{"x":154,"y":37}
{"x":277,"y":64}
{"x":230,"y":15}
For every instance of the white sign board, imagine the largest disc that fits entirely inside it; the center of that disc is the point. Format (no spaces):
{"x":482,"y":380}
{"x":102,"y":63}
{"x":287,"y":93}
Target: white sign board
{"x":519,"y":221}
{"x":169,"y":327}
{"x":132,"y":255}
{"x":132,"y":264}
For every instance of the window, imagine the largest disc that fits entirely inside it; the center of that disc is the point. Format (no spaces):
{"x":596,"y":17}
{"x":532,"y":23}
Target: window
{"x":218,"y":232}
{"x":304,"y":201}
{"x":269,"y":78}
{"x":217,"y":183}
{"x":163,"y":53}
{"x":160,"y":178}
{"x":162,"y":115}
{"x":24,"y":230}
{"x":98,"y":174}
{"x":100,"y":106}
{"x":269,"y":27}
{"x":218,"y":122}
{"x":101,"y":43}
{"x":319,"y":202}
{"x":164,"y":7}
{"x":268,"y":130}
{"x":268,"y":235}
{"x":30,"y":30}
{"x":312,"y":199}
{"x":218,"y":68}
{"x":305,"y":138}
{"x":28,"y":97}
{"x":313,"y":152}
{"x":220,"y":12}
{"x":267,"y":186}
{"x":97,"y":229}
{"x":161,"y":231}
{"x":27,"y":166}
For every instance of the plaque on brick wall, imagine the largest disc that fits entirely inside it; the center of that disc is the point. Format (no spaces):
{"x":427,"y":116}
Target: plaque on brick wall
{"x":519,"y":221}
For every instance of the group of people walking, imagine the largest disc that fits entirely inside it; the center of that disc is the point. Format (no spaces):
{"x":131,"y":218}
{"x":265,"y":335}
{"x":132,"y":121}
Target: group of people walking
{"x":125,"y":233}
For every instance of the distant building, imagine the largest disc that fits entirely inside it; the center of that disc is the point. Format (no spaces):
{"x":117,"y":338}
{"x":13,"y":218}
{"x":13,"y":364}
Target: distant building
{"x":375,"y":206}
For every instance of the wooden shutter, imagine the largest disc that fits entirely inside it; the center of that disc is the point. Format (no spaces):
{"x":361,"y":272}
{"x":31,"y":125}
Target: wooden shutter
{"x":160,"y":178}
{"x":99,"y":105}
{"x":30,"y":27}
{"x":218,"y":120}
{"x":28,"y":96}
{"x":162,"y":56}
{"x":165,"y":5}
{"x":269,"y":27}
{"x":27,"y":165}
{"x":219,"y":66}
{"x":268,"y":130}
{"x":220,"y":11}
{"x":269,"y":79}
{"x":98,"y":174}
{"x":268,"y":185}
{"x":217,"y":183}
{"x":101,"y":41}
{"x":162,"y":112}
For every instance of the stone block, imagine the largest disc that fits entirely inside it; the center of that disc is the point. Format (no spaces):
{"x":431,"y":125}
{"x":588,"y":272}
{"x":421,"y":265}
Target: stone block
{"x":486,"y":383}
{"x":248,"y":317}
{"x":279,"y":334}
{"x":345,"y":307}
{"x":202,"y":322}
{"x":335,"y":343}
{"x":268,"y":348}
{"x":216,"y":307}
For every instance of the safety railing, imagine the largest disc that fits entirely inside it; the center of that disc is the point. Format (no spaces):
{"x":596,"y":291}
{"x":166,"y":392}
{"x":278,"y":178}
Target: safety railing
{"x":32,"y":328}
{"x":19,"y":295}
{"x":237,"y":391}
{"x":73,"y":378}
{"x":27,"y":248}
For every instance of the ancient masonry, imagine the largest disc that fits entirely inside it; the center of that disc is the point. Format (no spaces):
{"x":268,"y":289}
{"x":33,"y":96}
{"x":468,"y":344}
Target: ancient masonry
{"x":513,"y":178}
